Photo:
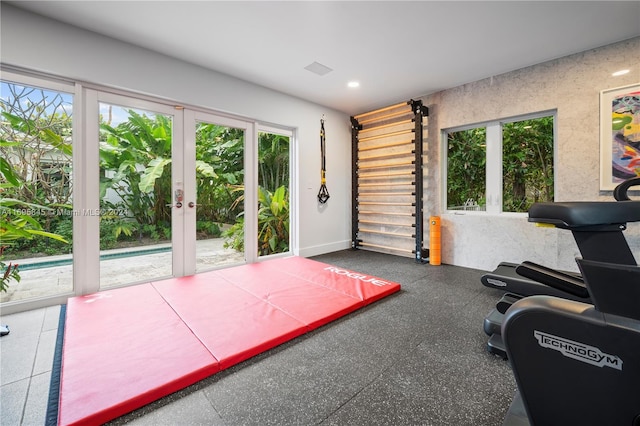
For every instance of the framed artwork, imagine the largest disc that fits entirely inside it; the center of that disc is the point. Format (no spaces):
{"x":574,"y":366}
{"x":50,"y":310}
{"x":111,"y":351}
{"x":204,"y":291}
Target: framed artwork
{"x":619,"y":135}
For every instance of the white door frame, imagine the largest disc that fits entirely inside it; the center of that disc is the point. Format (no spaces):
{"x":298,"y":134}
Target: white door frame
{"x":87,"y":262}
{"x":191,"y":117}
{"x":293,"y":188}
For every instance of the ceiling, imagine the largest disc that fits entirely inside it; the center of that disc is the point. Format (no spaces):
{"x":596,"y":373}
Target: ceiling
{"x":397,"y":50}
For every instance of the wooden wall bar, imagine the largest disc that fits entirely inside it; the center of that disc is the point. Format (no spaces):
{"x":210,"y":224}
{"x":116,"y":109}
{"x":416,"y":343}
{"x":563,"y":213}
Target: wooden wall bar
{"x":387,"y":179}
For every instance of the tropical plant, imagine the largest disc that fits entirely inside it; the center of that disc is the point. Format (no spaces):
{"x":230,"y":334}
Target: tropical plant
{"x":234,"y":235}
{"x":273,"y":160}
{"x":11,"y":272}
{"x":136,"y":159}
{"x":527,"y":163}
{"x":17,"y":222}
{"x":466,"y":167}
{"x":36,"y":130}
{"x":219,"y":171}
{"x":273,"y":221}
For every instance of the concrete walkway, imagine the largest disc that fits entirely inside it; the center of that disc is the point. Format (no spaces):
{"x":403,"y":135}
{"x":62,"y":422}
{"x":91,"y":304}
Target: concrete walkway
{"x":127,"y":266}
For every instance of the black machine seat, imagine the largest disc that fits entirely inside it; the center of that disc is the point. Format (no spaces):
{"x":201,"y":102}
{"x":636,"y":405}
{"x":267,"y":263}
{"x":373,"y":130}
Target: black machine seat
{"x":578,"y":214}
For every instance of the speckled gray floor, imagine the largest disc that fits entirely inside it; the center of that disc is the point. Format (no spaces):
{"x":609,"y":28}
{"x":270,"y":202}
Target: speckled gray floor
{"x":415,"y":358}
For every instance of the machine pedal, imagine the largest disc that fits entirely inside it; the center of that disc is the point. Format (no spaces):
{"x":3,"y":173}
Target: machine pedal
{"x":493,"y":323}
{"x":495,"y":346}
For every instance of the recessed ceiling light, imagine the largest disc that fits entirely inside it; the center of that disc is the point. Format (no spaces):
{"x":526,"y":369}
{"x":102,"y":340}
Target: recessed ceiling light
{"x":353,"y":84}
{"x":619,"y":73}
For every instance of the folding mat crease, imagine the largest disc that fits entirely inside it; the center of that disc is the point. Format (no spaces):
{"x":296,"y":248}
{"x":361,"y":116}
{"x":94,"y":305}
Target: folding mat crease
{"x":127,"y":347}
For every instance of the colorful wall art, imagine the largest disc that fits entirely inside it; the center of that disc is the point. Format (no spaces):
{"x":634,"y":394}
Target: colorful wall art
{"x":619,"y":135}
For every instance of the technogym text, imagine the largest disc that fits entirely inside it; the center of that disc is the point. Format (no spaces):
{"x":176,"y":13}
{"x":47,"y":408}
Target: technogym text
{"x":579,"y":351}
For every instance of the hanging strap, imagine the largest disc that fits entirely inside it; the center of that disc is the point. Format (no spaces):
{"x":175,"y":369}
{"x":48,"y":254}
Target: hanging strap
{"x":323,"y":194}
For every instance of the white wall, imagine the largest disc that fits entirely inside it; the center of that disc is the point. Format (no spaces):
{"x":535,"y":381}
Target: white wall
{"x":39,"y":44}
{"x":571,"y":85}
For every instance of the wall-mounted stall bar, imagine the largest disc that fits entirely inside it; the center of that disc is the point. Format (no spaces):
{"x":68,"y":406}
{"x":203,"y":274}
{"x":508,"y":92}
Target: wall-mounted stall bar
{"x":387,"y":180}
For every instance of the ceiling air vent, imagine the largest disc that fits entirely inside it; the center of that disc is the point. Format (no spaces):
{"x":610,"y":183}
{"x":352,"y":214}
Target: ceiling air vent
{"x":318,"y":68}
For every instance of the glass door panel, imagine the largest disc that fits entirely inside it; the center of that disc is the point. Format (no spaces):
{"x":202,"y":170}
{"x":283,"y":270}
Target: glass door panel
{"x":136,"y":196}
{"x":219,"y":186}
{"x":273,"y":193}
{"x":36,"y":187}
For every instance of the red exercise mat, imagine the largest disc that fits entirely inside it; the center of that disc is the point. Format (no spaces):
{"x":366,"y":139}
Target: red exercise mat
{"x":127,"y":347}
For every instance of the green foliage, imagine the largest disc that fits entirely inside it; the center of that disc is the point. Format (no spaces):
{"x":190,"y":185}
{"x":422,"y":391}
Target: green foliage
{"x":234,"y":236}
{"x":273,"y":221}
{"x":208,"y":229}
{"x":135,"y":160}
{"x":135,"y":164}
{"x":273,"y":161}
{"x":35,"y":148}
{"x":9,"y":273}
{"x":38,"y":129}
{"x":527,"y":163}
{"x":466,"y":167}
{"x":219,"y":169}
{"x":35,"y":143}
{"x":7,"y":170}
{"x":17,"y":224}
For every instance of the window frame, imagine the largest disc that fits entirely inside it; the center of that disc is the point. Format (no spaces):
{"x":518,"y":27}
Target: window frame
{"x":46,"y":82}
{"x":494,"y":150}
{"x":293,"y":160}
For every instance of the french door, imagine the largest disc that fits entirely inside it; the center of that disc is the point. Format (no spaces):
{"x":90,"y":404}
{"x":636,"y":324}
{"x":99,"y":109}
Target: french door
{"x":170,"y":190}
{"x":215,"y":173}
{"x":158,"y":191}
{"x":140,"y":174}
{"x":136,"y":190}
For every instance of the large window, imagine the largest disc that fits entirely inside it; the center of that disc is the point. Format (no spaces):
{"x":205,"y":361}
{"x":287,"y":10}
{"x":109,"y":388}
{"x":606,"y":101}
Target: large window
{"x":36,"y":188}
{"x":273,"y":192}
{"x":500,"y":166}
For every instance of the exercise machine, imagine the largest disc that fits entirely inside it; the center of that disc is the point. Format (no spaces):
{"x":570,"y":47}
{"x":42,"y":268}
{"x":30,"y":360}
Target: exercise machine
{"x":597,"y":228}
{"x":578,"y":363}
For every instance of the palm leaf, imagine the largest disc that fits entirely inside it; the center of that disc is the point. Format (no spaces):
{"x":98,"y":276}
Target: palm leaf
{"x":153,"y":171}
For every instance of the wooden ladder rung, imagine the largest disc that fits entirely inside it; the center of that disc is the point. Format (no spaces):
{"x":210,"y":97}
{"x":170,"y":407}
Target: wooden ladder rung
{"x":388,"y":145}
{"x":385,"y":247}
{"x":387,"y":135}
{"x":386,"y":194}
{"x":390,"y":154}
{"x":387,"y":184}
{"x":375,"y":175}
{"x":387,"y":213}
{"x":376,"y":111}
{"x":385,"y":117}
{"x":370,"y":203}
{"x":386,"y":126}
{"x":393,"y":234}
{"x":394,"y":164}
{"x":375,"y":222}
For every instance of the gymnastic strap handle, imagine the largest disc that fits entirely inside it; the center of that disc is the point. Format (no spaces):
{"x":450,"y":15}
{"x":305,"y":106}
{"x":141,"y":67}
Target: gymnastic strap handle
{"x":323,"y":194}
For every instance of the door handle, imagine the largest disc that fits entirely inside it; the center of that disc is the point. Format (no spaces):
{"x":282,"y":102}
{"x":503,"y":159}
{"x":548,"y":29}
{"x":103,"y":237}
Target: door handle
{"x":178,"y":196}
